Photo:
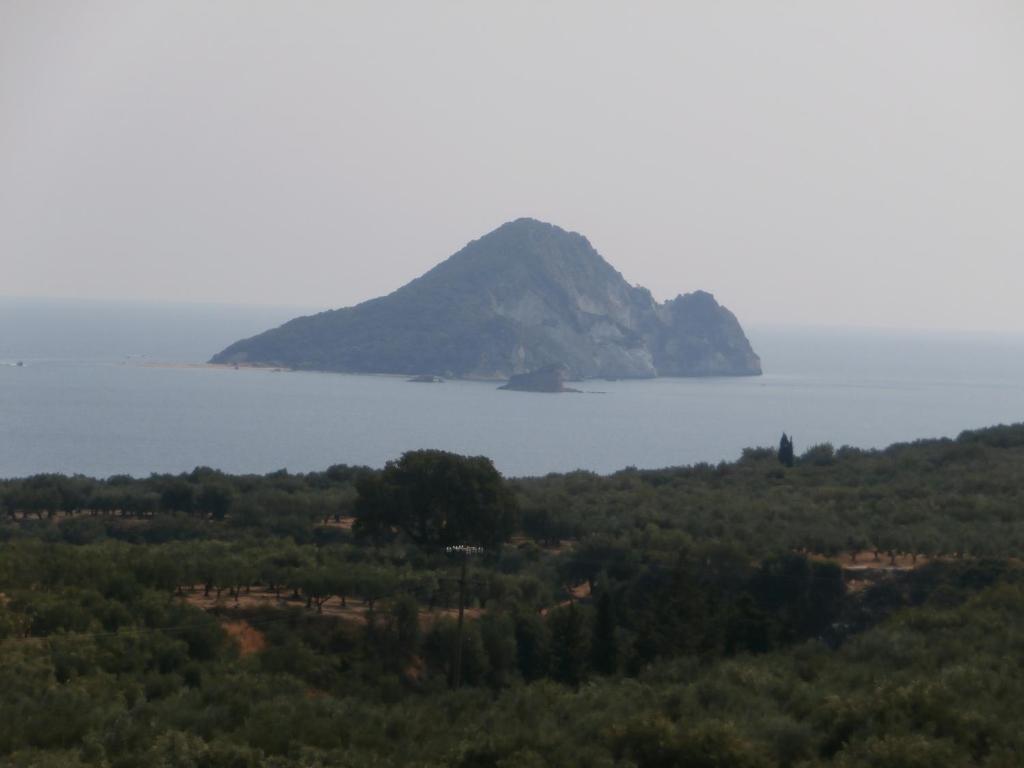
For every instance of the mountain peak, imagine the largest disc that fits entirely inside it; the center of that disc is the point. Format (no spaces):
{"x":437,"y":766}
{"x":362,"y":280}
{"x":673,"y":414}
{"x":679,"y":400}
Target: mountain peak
{"x":533,"y":232}
{"x":530,"y":224}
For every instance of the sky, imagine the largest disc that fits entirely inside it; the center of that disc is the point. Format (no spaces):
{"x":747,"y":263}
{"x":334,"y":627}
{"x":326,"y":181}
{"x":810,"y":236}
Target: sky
{"x":809,"y":162}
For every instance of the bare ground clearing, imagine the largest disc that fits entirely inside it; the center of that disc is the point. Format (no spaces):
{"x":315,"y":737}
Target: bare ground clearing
{"x":250,"y":640}
{"x":353,"y":611}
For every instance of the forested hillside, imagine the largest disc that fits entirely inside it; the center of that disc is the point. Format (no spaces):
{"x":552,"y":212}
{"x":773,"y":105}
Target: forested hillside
{"x":858,"y":608}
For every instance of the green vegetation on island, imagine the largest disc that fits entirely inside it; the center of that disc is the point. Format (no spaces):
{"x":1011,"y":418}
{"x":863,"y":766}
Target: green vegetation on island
{"x":857,"y":608}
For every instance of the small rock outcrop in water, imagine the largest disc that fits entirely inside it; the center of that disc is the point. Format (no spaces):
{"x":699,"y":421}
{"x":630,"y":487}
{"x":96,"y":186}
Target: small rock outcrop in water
{"x":550,"y":378}
{"x":525,"y":296}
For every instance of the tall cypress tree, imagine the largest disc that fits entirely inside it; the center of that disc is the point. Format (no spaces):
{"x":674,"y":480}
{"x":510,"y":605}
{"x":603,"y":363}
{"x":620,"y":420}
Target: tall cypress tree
{"x":786,"y":450}
{"x":604,"y":651}
{"x":568,"y":645}
{"x":532,"y":646}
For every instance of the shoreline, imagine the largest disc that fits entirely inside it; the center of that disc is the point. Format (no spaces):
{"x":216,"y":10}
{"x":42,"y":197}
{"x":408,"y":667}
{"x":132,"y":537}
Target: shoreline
{"x":213,"y":366}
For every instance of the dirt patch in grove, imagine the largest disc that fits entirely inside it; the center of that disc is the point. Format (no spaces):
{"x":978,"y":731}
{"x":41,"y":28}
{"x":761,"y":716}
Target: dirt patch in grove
{"x":344,"y":523}
{"x":250,"y":640}
{"x":577,"y":593}
{"x":866,"y":559}
{"x":353,"y":611}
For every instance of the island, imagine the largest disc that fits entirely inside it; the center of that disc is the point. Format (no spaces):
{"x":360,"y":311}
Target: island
{"x":525,"y":296}
{"x":550,"y":378}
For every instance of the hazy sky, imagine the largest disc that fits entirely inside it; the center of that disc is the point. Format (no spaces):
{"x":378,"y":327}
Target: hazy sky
{"x":847,"y":163}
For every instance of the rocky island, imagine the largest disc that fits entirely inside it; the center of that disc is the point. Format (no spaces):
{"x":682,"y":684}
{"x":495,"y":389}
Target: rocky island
{"x":525,"y":296}
{"x":550,"y":378}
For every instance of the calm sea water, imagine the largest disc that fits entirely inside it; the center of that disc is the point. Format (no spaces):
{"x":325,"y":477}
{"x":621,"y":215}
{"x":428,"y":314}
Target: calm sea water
{"x":90,"y":398}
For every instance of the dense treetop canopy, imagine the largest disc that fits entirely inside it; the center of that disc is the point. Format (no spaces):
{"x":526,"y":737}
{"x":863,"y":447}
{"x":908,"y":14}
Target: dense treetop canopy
{"x":860,"y":608}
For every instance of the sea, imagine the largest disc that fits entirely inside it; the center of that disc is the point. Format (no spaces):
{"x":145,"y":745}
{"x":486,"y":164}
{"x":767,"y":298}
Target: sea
{"x":104,"y":388}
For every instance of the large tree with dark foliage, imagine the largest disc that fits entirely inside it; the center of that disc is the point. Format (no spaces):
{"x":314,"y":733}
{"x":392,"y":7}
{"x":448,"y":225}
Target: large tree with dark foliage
{"x":437,"y":498}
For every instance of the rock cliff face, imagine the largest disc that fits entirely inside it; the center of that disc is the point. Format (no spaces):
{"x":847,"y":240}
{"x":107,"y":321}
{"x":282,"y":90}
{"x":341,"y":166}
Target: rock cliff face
{"x":525,"y":296}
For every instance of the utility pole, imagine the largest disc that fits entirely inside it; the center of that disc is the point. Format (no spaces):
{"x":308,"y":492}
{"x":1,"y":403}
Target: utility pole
{"x":465,"y":551}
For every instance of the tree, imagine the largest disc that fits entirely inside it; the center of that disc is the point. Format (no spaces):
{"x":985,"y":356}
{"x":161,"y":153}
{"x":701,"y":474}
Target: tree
{"x":786,"y":450}
{"x":568,"y":645}
{"x":439,"y":645}
{"x":668,"y":609}
{"x":821,"y":455}
{"x":747,"y":628}
{"x":498,"y":635}
{"x":437,"y":498}
{"x":604,"y":651}
{"x":373,"y":583}
{"x":177,"y":497}
{"x":532,"y":646}
{"x":825,"y":598}
{"x":215,"y":499}
{"x":406,"y":617}
{"x":597,"y":554}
